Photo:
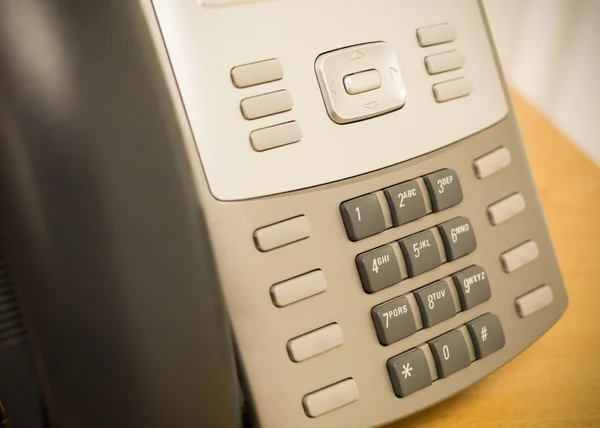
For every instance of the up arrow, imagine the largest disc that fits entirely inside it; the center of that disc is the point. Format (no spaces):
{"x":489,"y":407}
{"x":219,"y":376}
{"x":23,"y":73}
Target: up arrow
{"x":372,"y":105}
{"x":393,"y":73}
{"x":356,"y":55}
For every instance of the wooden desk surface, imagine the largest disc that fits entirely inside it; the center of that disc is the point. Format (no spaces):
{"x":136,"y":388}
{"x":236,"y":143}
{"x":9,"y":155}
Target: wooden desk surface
{"x":555,"y":382}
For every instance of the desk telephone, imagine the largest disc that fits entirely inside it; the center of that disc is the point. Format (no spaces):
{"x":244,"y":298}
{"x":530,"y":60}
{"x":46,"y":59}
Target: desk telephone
{"x":334,"y":192}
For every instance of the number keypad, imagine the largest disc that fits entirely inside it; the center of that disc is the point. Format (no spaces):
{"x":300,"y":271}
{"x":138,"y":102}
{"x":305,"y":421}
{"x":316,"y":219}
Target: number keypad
{"x":444,"y":189}
{"x":394,"y":320}
{"x":363,"y":217}
{"x":421,"y":253}
{"x":435,"y":303}
{"x":406,"y":202}
{"x":378,"y":268}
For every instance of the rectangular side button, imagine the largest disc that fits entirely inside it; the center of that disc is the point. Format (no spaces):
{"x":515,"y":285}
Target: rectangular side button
{"x":266,"y":104}
{"x":421,"y":253}
{"x":436,"y":34}
{"x":444,"y":189}
{"x":409,"y":372}
{"x":459,"y":237}
{"x":378,"y":269}
{"x":362,"y":217}
{"x":276,"y":136}
{"x":279,"y":234}
{"x":492,"y":162}
{"x":315,"y":343}
{"x":534,"y":301}
{"x":445,"y":61}
{"x":487,"y":334}
{"x":450,"y":352}
{"x":299,"y":288}
{"x":393,"y":320}
{"x":452,"y":89}
{"x":406,"y":202}
{"x":519,"y":256}
{"x":256,"y":73}
{"x":506,"y":208}
{"x":473,"y":286}
{"x":331,"y":398}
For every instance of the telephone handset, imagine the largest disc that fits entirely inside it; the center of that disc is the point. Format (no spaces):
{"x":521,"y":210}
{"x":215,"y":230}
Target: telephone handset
{"x":372,"y":220}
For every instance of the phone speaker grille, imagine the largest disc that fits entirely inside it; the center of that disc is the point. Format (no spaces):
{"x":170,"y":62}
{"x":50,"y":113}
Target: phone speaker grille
{"x":11,"y":323}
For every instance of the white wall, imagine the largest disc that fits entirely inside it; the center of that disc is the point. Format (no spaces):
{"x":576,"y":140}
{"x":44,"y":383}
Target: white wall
{"x":550,"y":51}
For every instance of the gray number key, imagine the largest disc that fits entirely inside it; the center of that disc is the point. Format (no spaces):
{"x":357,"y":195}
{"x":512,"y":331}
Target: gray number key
{"x":487,"y":334}
{"x":450,"y":352}
{"x":444,"y":189}
{"x":393,"y":320}
{"x":409,"y":372}
{"x":458,"y":236}
{"x":406,"y":202}
{"x":421,"y":253}
{"x":473,"y":286}
{"x":362,"y":217}
{"x":435,"y":302}
{"x":378,"y":269}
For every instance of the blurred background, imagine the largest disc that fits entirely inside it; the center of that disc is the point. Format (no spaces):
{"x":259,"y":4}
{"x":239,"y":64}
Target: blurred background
{"x":550,"y":52}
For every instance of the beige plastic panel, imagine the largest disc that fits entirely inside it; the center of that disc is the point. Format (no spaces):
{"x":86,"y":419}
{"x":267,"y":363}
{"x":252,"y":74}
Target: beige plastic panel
{"x":276,"y":385}
{"x":205,"y":43}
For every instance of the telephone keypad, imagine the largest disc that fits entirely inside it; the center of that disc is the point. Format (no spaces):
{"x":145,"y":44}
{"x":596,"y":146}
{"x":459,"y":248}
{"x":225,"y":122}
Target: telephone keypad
{"x":450,"y":352}
{"x":363,"y":217}
{"x":459,"y":237}
{"x":435,"y":303}
{"x":444,"y":189}
{"x":378,"y":269}
{"x":473,"y":286}
{"x":421,"y":253}
{"x":406,"y":202}
{"x":409,"y":372}
{"x":487,"y":335}
{"x":394,"y":320}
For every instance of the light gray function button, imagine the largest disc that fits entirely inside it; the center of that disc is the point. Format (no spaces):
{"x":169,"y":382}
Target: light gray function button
{"x":458,"y":236}
{"x":450,"y":352}
{"x":409,"y":372}
{"x":378,"y":269}
{"x":487,"y":334}
{"x":393,"y":320}
{"x":362,"y":217}
{"x":473,"y":286}
{"x":421,"y":253}
{"x":283,"y":233}
{"x":452,"y":89}
{"x":406,"y":202}
{"x":266,"y":104}
{"x":436,"y":34}
{"x":275,"y":136}
{"x":534,"y":301}
{"x":257,"y":73}
{"x":435,"y":303}
{"x":444,"y":189}
{"x":330,"y":398}
{"x":315,"y":343}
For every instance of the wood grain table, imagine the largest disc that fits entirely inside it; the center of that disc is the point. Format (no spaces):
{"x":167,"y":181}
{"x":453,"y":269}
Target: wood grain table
{"x":555,"y":382}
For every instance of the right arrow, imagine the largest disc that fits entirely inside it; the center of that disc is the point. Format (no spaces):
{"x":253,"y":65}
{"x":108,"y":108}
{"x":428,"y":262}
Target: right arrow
{"x":393,"y":73}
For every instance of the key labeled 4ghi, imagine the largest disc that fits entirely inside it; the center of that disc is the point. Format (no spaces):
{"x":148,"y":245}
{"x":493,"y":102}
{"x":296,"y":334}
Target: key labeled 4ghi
{"x":378,"y":269}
